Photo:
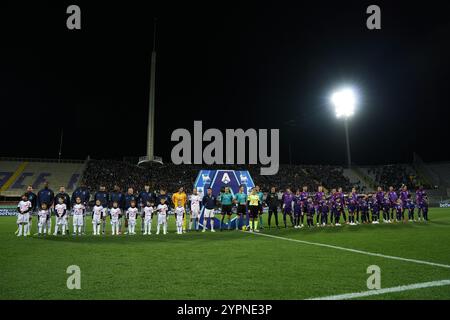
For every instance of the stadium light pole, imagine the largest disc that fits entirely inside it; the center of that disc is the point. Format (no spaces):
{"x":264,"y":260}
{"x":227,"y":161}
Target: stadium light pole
{"x":344,"y":102}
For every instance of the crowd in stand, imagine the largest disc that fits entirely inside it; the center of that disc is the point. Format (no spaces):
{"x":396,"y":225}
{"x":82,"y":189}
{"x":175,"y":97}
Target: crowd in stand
{"x":171,"y":177}
{"x":395,"y":174}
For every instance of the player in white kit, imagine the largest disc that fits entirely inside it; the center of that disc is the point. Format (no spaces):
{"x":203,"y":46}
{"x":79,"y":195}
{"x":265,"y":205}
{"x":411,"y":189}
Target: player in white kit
{"x":132,"y":214}
{"x":23,"y":217}
{"x":162,"y":209}
{"x":61,"y":217}
{"x":97,"y":217}
{"x":195,"y":200}
{"x":179,"y":214}
{"x":115,"y":214}
{"x":147,"y":215}
{"x":78,"y":216}
{"x":43,"y":215}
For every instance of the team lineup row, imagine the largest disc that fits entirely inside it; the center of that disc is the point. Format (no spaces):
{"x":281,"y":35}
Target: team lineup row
{"x":125,"y":209}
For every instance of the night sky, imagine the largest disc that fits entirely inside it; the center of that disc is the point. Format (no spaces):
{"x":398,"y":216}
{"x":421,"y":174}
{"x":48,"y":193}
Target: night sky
{"x":257,"y":65}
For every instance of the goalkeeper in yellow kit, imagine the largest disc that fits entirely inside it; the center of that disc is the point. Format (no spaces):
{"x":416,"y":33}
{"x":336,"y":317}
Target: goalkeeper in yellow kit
{"x":180,"y":197}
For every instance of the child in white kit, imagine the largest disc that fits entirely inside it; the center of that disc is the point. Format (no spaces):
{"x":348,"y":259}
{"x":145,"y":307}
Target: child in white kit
{"x":61,"y":218}
{"x":179,"y":213}
{"x":23,"y":217}
{"x":132,"y":213}
{"x":43,"y":215}
{"x":162,"y":216}
{"x":115,"y":214}
{"x":97,"y":215}
{"x":148,"y":213}
{"x":78,"y":216}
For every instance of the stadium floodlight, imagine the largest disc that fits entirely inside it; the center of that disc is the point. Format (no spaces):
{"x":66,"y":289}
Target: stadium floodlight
{"x":344,"y":102}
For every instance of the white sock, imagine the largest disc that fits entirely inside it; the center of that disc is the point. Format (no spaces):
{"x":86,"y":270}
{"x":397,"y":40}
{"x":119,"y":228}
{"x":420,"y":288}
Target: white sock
{"x":204,"y":224}
{"x":98,"y":228}
{"x":56,"y":229}
{"x":79,"y":229}
{"x":63,"y":227}
{"x":211,"y":221}
{"x":157,"y":228}
{"x":20,"y":229}
{"x":25,"y":229}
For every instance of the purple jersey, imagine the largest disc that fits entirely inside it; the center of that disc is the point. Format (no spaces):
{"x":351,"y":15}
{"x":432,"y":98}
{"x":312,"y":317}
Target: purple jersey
{"x":287,"y":200}
{"x":404,"y":196}
{"x":304,"y":197}
{"x":420,"y":196}
{"x":318,"y":197}
{"x":393,"y":197}
{"x":380,"y":197}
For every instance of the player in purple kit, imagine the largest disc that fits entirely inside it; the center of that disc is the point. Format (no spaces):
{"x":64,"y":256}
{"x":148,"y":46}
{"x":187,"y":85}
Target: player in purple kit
{"x":420,"y":201}
{"x":331,"y":201}
{"x":341,"y":196}
{"x":317,"y":203}
{"x":392,"y":200}
{"x":297,"y":209}
{"x":304,"y":199}
{"x":352,"y":206}
{"x":404,"y":197}
{"x":287,"y":199}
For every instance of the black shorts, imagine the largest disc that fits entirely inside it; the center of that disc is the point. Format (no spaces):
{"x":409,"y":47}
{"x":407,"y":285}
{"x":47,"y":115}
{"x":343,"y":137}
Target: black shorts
{"x":253,"y":211}
{"x":226,"y":209}
{"x":260,"y":209}
{"x":241,"y":209}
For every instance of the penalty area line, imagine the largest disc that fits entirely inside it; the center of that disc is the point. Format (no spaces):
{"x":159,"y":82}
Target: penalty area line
{"x":368,"y":293}
{"x":434,"y":264}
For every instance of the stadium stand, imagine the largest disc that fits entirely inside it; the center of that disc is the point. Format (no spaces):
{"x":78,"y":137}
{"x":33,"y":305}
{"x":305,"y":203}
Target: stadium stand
{"x":17,"y":173}
{"x":171,"y":176}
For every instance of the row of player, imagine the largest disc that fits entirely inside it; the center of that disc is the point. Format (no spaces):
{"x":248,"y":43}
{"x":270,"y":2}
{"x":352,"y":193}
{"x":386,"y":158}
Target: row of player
{"x":328,"y":210}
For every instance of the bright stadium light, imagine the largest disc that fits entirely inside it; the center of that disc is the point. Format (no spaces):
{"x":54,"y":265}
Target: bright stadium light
{"x":344,"y":102}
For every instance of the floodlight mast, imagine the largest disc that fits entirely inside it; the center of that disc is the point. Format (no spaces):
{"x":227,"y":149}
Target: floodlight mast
{"x":344,"y":103}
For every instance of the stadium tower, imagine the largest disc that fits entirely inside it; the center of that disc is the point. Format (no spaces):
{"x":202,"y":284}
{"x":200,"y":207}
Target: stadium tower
{"x":150,"y":157}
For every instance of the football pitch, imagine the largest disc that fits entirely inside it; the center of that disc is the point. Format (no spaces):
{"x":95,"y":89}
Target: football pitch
{"x":414,"y":262}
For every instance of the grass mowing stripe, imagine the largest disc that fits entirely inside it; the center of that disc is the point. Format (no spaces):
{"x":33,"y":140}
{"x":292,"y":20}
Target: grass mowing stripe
{"x":368,"y":293}
{"x":357,"y":251}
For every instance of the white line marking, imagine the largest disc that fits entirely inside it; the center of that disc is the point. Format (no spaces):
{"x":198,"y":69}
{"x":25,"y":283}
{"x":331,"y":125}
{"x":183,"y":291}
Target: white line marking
{"x":357,"y":251}
{"x":386,"y":290}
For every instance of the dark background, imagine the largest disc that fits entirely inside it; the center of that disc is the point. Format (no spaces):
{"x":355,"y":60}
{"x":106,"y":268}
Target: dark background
{"x":258,"y":65}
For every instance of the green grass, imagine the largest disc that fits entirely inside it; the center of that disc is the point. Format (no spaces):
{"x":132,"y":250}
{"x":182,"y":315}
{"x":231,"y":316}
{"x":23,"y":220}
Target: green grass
{"x":225,"y":265}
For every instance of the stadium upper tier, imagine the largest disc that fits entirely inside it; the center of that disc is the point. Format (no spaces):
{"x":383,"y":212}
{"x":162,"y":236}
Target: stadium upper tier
{"x":171,"y":176}
{"x":17,"y":174}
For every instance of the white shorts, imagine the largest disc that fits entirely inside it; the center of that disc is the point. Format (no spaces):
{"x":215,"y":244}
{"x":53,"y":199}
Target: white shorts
{"x":78,"y":220}
{"x":23,"y":218}
{"x":132,"y":221}
{"x":162,"y":219}
{"x":195,"y":212}
{"x":208,"y":213}
{"x":114,"y":221}
{"x":96,"y":220}
{"x":179,"y":220}
{"x":42,"y":221}
{"x":147,"y":220}
{"x":61,"y":220}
